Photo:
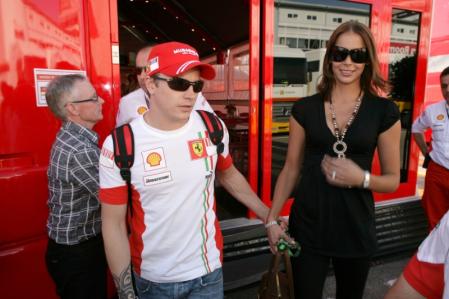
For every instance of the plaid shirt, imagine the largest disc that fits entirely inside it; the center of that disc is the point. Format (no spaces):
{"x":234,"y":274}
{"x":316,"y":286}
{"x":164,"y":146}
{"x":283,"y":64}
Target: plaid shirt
{"x":73,"y":185}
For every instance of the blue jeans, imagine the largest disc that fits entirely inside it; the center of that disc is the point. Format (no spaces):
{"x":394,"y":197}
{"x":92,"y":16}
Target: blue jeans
{"x":209,"y":286}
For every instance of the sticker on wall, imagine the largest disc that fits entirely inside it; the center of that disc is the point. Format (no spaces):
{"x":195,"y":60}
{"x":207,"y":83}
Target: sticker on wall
{"x":42,"y":78}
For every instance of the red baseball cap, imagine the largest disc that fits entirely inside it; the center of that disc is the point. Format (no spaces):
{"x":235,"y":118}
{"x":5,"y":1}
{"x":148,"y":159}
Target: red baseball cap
{"x":174,"y":58}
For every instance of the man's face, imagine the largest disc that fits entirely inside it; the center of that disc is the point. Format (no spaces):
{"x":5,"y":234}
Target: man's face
{"x":141,"y":61}
{"x":86,"y":103}
{"x":175,"y":106}
{"x":445,"y":87}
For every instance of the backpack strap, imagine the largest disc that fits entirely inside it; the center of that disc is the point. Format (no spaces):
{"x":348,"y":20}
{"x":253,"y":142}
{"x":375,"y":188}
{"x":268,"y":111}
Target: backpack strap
{"x":123,"y":142}
{"x":214,"y":128}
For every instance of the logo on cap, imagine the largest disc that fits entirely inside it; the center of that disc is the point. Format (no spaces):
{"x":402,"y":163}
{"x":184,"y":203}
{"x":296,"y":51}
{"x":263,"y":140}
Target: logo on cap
{"x":185,"y":51}
{"x":154,"y":63}
{"x":174,"y":58}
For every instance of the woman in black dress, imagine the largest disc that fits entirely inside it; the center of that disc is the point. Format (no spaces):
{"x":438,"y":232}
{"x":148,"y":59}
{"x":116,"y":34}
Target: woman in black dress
{"x":333,"y":137}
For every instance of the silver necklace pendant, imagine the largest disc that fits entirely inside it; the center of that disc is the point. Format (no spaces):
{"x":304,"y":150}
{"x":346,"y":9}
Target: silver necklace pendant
{"x":340,"y":148}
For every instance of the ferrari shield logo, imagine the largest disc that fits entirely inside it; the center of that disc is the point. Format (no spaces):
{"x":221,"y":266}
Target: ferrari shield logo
{"x":197,"y":149}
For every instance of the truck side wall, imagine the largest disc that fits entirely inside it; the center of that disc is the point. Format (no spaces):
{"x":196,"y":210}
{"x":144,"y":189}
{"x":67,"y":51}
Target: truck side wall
{"x":68,"y":35}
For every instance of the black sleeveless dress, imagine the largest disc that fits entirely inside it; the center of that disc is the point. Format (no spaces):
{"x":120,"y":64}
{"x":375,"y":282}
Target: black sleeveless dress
{"x":329,"y":220}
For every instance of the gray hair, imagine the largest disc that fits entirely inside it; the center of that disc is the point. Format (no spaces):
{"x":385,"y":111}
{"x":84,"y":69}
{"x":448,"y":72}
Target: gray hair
{"x":58,"y":91}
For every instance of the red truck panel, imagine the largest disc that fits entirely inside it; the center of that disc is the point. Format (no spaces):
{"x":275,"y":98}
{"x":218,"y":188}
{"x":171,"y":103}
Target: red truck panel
{"x":54,"y":34}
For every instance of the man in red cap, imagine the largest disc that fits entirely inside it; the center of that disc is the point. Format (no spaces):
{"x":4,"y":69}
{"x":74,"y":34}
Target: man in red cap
{"x":175,"y":242}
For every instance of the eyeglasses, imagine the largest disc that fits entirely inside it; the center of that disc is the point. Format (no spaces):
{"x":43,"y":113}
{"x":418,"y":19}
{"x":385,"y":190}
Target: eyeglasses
{"x":339,"y":54}
{"x":95,"y":98}
{"x":180,"y":84}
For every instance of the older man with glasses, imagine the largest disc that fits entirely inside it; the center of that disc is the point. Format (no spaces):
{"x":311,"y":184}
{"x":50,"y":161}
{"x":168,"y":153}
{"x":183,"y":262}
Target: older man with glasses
{"x":75,"y":254}
{"x":137,"y":102}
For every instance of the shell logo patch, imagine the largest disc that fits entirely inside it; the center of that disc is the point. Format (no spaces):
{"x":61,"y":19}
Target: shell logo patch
{"x":154,"y":159}
{"x":197,"y":149}
{"x":440,"y":117}
{"x":141,"y":110}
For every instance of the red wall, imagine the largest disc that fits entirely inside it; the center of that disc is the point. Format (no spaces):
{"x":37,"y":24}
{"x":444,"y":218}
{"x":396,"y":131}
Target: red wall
{"x":53,"y":34}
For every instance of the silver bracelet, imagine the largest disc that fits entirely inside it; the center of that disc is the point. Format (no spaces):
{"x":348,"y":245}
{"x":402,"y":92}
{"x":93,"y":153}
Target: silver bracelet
{"x":366,"y":179}
{"x":271,"y":223}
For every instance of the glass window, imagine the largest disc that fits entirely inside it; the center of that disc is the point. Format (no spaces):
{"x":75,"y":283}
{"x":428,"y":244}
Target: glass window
{"x":402,"y":74}
{"x":337,"y":20}
{"x":292,"y":42}
{"x":315,"y":44}
{"x":303,"y":43}
{"x":289,"y":70}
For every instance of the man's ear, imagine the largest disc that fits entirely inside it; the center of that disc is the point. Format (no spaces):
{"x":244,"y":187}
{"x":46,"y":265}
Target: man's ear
{"x":151,"y":85}
{"x":71,"y":109}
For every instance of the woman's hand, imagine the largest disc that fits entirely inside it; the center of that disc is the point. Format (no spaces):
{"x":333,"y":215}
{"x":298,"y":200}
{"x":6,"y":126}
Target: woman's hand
{"x":342,"y":173}
{"x":275,"y":233}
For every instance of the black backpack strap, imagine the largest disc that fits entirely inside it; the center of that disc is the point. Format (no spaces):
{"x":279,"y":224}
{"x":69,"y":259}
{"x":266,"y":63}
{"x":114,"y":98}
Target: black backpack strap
{"x":123,"y":141}
{"x":214,"y":128}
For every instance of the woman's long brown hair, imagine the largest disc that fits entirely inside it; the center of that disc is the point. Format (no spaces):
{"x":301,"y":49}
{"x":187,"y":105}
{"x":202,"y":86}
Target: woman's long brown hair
{"x":371,"y":80}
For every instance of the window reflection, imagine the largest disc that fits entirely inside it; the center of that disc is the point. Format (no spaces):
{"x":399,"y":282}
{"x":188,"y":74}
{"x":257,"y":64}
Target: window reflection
{"x":228,"y":95}
{"x":402,"y":74}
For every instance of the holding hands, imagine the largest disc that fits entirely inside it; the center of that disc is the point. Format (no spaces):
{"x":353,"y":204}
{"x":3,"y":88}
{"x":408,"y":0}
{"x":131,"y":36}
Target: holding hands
{"x":343,"y":173}
{"x":276,"y":230}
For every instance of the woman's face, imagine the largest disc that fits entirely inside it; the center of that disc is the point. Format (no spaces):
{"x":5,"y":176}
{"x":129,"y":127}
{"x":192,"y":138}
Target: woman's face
{"x":348,"y":72}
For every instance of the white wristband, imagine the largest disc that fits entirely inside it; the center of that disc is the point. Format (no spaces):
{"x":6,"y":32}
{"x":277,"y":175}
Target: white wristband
{"x":366,"y":180}
{"x":271,"y":223}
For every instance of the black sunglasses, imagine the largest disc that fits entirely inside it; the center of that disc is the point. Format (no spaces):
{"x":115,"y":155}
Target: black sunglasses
{"x":339,"y":54}
{"x":180,"y":84}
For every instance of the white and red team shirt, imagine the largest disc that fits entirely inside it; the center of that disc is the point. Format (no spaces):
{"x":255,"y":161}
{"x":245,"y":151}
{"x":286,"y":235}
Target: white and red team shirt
{"x":132,"y":106}
{"x":435,"y":250}
{"x":175,"y":232}
{"x":436,"y":117}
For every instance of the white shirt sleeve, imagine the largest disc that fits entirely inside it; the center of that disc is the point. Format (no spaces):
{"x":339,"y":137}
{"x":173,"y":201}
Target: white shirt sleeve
{"x":422,"y":123}
{"x":121,"y":114}
{"x":435,"y":248}
{"x":109,"y":172}
{"x":130,"y":107}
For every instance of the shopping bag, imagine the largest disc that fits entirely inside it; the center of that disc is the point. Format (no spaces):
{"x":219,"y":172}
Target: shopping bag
{"x":275,"y":283}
